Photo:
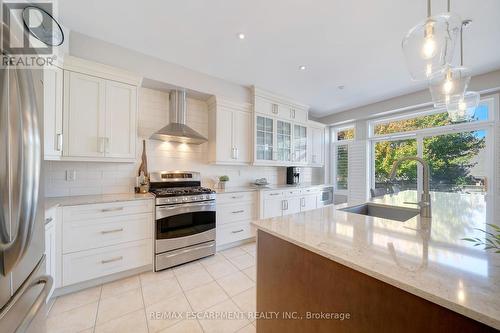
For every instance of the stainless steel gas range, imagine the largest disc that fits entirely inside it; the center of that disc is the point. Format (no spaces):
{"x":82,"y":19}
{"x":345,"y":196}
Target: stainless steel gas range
{"x":185,"y":218}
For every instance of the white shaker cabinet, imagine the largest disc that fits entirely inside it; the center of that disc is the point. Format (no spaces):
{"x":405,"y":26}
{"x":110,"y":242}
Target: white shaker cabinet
{"x":84,"y":115}
{"x":316,"y":145}
{"x":52,"y":81}
{"x":99,"y":118}
{"x":120,"y":129}
{"x":230,"y":132}
{"x":50,"y":245}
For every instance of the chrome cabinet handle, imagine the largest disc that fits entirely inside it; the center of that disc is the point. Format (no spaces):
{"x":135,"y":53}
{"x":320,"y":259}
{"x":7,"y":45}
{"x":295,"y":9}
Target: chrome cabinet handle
{"x":48,"y":220}
{"x":106,"y":145}
{"x":105,"y":210}
{"x":237,"y":197}
{"x":238,"y":211}
{"x":237,"y":231}
{"x":236,"y":156}
{"x":111,"y":231}
{"x":107,"y":261}
{"x":59,"y":142}
{"x":28,"y":177}
{"x":274,"y":193}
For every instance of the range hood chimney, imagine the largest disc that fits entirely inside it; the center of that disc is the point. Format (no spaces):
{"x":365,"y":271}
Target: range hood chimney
{"x":177,"y":130}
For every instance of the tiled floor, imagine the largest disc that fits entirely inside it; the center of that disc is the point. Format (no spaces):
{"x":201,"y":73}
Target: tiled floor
{"x":218,"y":285}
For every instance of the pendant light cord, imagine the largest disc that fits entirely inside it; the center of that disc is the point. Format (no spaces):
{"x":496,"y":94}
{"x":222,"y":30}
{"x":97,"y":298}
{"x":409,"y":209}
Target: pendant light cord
{"x":462,"y":44}
{"x":429,"y":8}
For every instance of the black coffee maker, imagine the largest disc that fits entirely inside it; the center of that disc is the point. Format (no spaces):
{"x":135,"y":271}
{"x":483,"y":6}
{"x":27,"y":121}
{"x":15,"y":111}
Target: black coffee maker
{"x":292,"y":175}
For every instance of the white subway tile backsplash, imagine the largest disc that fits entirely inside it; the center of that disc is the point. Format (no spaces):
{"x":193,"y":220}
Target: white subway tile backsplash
{"x":108,"y":178}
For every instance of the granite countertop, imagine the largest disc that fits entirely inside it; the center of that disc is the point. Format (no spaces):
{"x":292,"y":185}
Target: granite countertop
{"x":264,"y":188}
{"x":94,"y":199}
{"x":426,"y":257}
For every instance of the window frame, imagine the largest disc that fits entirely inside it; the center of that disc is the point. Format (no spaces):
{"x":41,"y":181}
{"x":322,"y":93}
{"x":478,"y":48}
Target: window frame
{"x":487,"y":125}
{"x":333,"y":153}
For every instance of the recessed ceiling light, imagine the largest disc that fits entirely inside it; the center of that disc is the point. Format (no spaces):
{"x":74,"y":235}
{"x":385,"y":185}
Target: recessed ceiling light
{"x":241,"y":35}
{"x":302,"y":68}
{"x":341,"y":87}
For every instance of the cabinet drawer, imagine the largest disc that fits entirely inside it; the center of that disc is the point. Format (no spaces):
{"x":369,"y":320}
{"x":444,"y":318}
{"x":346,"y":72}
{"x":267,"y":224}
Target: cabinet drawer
{"x":96,"y":211}
{"x":292,"y":193}
{"x":91,"y":264}
{"x":235,"y":197}
{"x":272,"y":194}
{"x":236,"y":212}
{"x":234,"y":232}
{"x":310,"y":190}
{"x":90,"y":234}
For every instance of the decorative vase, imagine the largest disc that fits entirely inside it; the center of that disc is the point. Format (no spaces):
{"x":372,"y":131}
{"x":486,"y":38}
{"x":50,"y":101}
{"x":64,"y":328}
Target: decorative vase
{"x":222,"y":185}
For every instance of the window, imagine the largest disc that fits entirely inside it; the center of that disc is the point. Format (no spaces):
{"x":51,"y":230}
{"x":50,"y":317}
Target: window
{"x":342,"y":136}
{"x":345,"y":134}
{"x":457,"y":153}
{"x":428,"y":119}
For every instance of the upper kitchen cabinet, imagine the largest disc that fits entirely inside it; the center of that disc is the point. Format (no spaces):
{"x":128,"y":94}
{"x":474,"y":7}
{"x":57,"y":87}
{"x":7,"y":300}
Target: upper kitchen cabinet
{"x":280,"y":130}
{"x":52,"y":80}
{"x":316,"y":144}
{"x":99,"y":113}
{"x":230,"y":132}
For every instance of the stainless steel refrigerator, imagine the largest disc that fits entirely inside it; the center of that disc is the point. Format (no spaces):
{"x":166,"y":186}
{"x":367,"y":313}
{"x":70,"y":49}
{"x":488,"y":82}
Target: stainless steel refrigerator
{"x":23,"y":284}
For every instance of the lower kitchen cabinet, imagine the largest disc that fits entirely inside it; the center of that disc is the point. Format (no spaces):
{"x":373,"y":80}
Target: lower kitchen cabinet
{"x":235,"y":211}
{"x":105,"y":238}
{"x":275,"y":203}
{"x":50,"y":245}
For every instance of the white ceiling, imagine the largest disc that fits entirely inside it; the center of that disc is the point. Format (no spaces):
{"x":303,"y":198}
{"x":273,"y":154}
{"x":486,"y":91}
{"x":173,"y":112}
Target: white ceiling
{"x":355,"y":43}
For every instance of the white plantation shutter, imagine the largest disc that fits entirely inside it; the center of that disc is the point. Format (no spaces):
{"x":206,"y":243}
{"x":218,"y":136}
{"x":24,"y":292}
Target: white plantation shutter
{"x":358,"y":171}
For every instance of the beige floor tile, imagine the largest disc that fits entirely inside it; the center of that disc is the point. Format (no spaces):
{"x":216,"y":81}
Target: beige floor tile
{"x":247,"y":300}
{"x":235,"y":283}
{"x":187,"y":268}
{"x":89,"y":330}
{"x":216,"y":258}
{"x":156,"y":314}
{"x":220,"y":269}
{"x":224,"y":325}
{"x":117,"y":306}
{"x":205,"y":296}
{"x":72,"y":301}
{"x":74,"y":320}
{"x":250,"y":248}
{"x":154,"y":293}
{"x":243,"y":261}
{"x":233,"y":252}
{"x":153,"y":277}
{"x":248,"y":329}
{"x":194,"y":279}
{"x":134,"y":322}
{"x":185,"y":326}
{"x":251,"y":272}
{"x":117,"y":287}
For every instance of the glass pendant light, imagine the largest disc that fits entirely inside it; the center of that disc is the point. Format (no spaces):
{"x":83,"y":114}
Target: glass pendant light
{"x":461,"y":108}
{"x":448,"y":82}
{"x":430,"y":44}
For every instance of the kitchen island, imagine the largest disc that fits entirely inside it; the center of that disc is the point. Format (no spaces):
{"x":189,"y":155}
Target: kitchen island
{"x":356,"y":273}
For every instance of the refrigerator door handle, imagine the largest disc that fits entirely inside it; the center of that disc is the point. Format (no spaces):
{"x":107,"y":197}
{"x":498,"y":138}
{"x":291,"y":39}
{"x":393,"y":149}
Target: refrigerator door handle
{"x":39,"y":302}
{"x":28,"y":182}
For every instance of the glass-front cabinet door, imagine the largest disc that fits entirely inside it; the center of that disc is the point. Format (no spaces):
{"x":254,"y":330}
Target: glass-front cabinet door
{"x":284,"y":141}
{"x":264,"y":138}
{"x":299,"y":143}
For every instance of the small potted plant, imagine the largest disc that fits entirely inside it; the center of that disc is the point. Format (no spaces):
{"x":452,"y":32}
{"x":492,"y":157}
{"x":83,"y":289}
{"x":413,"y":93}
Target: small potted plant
{"x":222,"y":182}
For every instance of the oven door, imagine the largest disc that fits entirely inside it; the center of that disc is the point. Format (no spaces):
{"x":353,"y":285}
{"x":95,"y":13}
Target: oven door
{"x":184,"y":225}
{"x":326,"y":197}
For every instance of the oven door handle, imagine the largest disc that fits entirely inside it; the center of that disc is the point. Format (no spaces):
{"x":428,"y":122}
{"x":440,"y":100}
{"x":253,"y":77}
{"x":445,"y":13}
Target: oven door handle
{"x":171,"y":210}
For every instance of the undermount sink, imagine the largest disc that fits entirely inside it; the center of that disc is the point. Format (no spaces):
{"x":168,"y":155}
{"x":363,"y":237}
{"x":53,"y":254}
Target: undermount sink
{"x":383,"y":211}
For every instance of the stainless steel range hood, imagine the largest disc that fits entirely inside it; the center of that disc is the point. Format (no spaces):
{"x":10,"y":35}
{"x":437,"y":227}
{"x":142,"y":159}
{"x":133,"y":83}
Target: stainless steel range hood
{"x":177,"y":130}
